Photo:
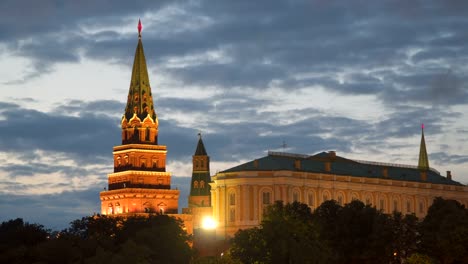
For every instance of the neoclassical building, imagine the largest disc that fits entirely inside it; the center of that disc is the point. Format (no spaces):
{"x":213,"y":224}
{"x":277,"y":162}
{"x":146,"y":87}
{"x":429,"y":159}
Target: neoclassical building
{"x":240,"y":195}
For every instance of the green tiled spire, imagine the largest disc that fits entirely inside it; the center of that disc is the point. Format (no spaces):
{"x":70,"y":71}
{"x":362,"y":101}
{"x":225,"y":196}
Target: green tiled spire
{"x":423,"y":159}
{"x":200,"y":151}
{"x":140,"y":99}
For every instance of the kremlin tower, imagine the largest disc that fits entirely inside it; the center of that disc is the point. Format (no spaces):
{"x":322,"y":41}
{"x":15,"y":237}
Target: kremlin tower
{"x":140,"y":183}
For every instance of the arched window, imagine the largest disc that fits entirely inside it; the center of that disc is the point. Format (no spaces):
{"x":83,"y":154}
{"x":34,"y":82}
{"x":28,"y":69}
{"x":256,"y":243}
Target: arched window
{"x":195,"y":184}
{"x":266,"y":198}
{"x":202,"y":184}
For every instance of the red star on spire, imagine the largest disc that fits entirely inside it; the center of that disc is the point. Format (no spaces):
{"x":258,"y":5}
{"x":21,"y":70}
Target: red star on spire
{"x":139,"y":27}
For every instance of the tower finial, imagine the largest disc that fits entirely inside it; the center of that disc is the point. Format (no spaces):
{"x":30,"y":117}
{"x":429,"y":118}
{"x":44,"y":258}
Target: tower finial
{"x":139,"y":28}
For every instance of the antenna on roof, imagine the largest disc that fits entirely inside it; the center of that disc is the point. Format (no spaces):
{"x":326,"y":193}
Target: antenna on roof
{"x":284,"y":145}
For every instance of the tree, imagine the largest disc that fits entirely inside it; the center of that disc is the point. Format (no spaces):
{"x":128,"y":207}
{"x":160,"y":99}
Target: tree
{"x":17,"y":238}
{"x":249,"y":246}
{"x":286,"y":235}
{"x":444,"y":232}
{"x":355,"y":233}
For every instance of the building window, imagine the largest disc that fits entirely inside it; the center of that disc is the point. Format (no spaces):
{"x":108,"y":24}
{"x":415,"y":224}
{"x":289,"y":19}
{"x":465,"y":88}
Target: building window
{"x":202,"y":184}
{"x":325,"y":197}
{"x":408,"y":207}
{"x":340,"y":200}
{"x":232,"y":199}
{"x":266,"y":198}
{"x":232,"y":215}
{"x":368,"y":201}
{"x":382,"y":204}
{"x":421,"y":207}
{"x":295,"y":197}
{"x":310,"y":200}
{"x":395,"y":205}
{"x":195,"y":184}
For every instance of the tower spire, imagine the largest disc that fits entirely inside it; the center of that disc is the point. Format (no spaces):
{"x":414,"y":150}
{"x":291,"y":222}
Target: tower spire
{"x":200,"y":151}
{"x":423,"y":163}
{"x":139,"y":123}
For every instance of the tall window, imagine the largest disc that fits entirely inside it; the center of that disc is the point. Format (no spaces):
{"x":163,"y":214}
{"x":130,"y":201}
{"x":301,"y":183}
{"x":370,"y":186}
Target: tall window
{"x":202,"y":184}
{"x":325,"y":197}
{"x":382,"y":204}
{"x":266,"y":199}
{"x":408,"y":207}
{"x":340,"y":200}
{"x":195,"y":184}
{"x":232,"y":215}
{"x":310,"y":200}
{"x":232,"y":208}
{"x":395,"y":205}
{"x":295,"y":197}
{"x":421,"y":207}
{"x":232,"y":199}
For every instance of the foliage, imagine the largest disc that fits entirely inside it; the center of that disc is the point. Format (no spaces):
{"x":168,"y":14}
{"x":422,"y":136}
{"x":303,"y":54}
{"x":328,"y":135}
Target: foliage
{"x":286,"y":235}
{"x":17,"y":237}
{"x":444,"y":232}
{"x":103,"y":239}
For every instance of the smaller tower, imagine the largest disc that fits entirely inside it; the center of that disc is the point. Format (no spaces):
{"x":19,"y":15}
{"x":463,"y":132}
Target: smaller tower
{"x":199,"y":200}
{"x":423,"y":163}
{"x":200,"y":188}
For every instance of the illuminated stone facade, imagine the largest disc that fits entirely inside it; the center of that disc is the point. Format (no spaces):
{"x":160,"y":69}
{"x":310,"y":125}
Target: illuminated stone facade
{"x":240,"y":195}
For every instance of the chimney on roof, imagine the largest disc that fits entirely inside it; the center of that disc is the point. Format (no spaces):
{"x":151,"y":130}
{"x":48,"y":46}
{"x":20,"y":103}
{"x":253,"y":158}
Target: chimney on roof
{"x":423,"y":175}
{"x":449,"y":175}
{"x":297,"y":164}
{"x":255,"y":164}
{"x":332,"y":154}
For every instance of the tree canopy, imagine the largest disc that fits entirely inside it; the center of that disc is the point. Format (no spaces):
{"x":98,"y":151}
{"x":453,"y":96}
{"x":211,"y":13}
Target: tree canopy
{"x":98,"y":239}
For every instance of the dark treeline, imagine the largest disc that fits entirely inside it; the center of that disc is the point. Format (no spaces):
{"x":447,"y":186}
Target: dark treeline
{"x":97,"y":239}
{"x":355,"y":233}
{"x":289,"y":233}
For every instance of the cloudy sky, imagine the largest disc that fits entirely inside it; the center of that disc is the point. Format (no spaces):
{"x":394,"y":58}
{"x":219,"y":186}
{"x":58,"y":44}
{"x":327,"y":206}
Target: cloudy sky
{"x":358,"y":77}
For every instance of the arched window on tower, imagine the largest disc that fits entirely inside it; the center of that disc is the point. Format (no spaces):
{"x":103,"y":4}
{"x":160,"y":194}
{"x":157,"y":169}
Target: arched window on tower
{"x":195,"y":184}
{"x":202,"y":184}
{"x":147,"y":134}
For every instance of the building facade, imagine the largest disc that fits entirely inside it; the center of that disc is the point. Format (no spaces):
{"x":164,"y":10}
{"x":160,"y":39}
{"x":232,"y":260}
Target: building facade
{"x":240,"y":195}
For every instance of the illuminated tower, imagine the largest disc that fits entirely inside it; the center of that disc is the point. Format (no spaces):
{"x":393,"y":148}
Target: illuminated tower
{"x":200,"y":188}
{"x":199,"y":200}
{"x":140,"y":183}
{"x":423,"y":163}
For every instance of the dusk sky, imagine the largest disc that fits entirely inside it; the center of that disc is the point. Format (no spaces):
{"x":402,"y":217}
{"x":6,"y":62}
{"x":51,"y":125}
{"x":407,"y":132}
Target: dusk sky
{"x":357,"y":77}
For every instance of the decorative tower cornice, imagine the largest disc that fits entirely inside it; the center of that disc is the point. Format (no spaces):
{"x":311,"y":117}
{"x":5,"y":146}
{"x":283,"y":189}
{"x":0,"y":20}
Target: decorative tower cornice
{"x":140,"y":122}
{"x":423,"y":163}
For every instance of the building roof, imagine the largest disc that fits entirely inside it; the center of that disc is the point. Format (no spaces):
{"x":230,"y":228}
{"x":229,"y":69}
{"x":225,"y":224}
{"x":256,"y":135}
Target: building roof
{"x":276,"y":161}
{"x":140,"y":98}
{"x":200,"y":151}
